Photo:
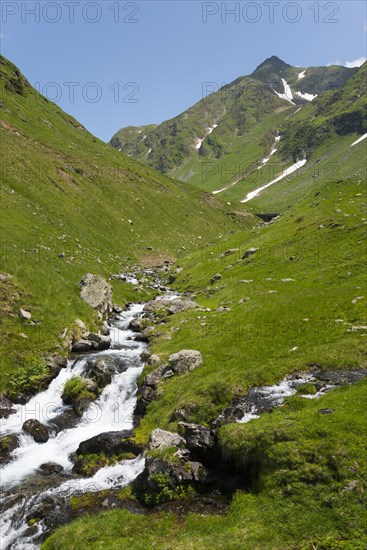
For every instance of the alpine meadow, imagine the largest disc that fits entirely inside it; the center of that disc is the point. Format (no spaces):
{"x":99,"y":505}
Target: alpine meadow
{"x":183,"y":304}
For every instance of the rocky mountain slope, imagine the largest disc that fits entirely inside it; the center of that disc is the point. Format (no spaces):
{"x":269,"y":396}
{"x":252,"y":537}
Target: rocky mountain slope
{"x":227,"y":133}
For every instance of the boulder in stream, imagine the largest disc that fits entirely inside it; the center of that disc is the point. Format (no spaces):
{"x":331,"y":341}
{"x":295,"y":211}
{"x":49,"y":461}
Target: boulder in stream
{"x":8,"y":443}
{"x":38,"y":431}
{"x":110,"y":443}
{"x":50,"y":468}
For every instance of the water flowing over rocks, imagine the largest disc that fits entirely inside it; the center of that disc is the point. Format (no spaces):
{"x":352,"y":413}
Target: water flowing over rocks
{"x":263,"y":399}
{"x":38,"y":431}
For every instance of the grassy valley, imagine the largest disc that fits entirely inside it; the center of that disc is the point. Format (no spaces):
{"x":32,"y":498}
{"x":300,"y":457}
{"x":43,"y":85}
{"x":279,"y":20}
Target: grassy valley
{"x":71,"y":205}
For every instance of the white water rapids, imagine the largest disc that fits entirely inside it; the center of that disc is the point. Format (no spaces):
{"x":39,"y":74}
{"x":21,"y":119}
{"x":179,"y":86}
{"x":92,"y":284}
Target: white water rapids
{"x":112,"y":411}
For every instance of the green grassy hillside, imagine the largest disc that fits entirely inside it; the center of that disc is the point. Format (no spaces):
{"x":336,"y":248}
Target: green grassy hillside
{"x":290,"y":307}
{"x":226,"y":135}
{"x":71,"y":205}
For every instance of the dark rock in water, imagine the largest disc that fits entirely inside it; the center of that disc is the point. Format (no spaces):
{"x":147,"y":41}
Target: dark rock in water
{"x":81,"y":346}
{"x":136,"y":325}
{"x":8,"y":443}
{"x":340,"y":377}
{"x":38,"y":431}
{"x":65,"y":421}
{"x":6,"y":407}
{"x":99,"y":342}
{"x":101,"y":369}
{"x":201,"y":442}
{"x":110,"y":443}
{"x":50,"y":468}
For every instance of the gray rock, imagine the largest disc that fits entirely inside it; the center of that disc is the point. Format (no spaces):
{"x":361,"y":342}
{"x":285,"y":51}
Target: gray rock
{"x":5,"y":277}
{"x":81,"y":325}
{"x":6,"y":407}
{"x":185,"y":361}
{"x":181,"y":305}
{"x":161,"y":439}
{"x":154,"y":360}
{"x":50,"y":468}
{"x":153,"y":378}
{"x":96,"y":292}
{"x":38,"y":431}
{"x":249,"y":253}
{"x":229,"y":252}
{"x":136,"y":325}
{"x":216,"y":277}
{"x":24,"y":314}
{"x":154,"y":305}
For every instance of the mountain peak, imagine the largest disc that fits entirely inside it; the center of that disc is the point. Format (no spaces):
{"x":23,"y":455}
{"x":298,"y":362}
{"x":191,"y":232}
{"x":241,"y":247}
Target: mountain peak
{"x":272,"y":63}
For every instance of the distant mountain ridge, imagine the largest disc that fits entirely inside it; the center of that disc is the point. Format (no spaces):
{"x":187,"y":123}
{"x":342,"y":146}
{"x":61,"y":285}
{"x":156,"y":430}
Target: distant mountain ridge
{"x":239,"y":121}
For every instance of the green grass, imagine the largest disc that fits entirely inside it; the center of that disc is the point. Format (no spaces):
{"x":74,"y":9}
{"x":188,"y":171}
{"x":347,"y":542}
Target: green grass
{"x":325,"y":235}
{"x":309,"y":491}
{"x":65,"y":192}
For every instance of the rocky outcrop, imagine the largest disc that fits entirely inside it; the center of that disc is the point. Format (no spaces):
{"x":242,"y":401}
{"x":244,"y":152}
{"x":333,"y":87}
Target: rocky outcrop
{"x":50,"y":468}
{"x":249,"y":252}
{"x":160,"y":439}
{"x":177,"y":306}
{"x":110,"y":443}
{"x":185,"y":361}
{"x":38,"y":431}
{"x":6,"y":407}
{"x":168,"y":476}
{"x":179,"y":363}
{"x":201,"y":442}
{"x":96,"y":292}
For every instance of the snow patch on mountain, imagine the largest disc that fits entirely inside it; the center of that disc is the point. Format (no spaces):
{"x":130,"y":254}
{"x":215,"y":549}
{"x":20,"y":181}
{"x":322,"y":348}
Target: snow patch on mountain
{"x":207,"y":132}
{"x":284,"y":174}
{"x":287,"y":94}
{"x":359,"y":140}
{"x":307,"y":97}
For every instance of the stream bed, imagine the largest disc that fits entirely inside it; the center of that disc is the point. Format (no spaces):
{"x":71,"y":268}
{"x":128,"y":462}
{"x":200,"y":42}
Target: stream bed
{"x":25,"y":492}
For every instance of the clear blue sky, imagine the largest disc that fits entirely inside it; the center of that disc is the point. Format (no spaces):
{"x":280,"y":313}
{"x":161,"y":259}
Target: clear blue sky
{"x":168,"y":52}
